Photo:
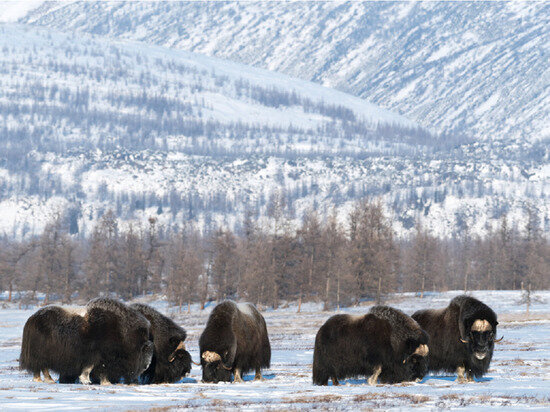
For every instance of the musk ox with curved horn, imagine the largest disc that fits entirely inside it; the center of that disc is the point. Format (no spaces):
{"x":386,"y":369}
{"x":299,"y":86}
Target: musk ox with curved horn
{"x":62,"y":340}
{"x":385,"y":344}
{"x":462,"y":337}
{"x":126,"y":349}
{"x":234,"y":341}
{"x":171,"y":361}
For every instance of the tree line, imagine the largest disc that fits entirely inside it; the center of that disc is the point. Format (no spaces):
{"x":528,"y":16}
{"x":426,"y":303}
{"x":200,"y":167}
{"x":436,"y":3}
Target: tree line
{"x":323,"y":260}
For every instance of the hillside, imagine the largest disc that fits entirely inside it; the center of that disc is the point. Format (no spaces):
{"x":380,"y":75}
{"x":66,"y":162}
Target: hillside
{"x":89,"y":124}
{"x":476,"y":68}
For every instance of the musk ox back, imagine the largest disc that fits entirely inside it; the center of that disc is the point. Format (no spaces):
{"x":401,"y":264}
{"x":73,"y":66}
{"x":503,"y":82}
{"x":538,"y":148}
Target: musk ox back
{"x":126,"y":350}
{"x":385,"y":344}
{"x":462,"y":337}
{"x":62,"y":340}
{"x":170,"y":360}
{"x":234,"y":341}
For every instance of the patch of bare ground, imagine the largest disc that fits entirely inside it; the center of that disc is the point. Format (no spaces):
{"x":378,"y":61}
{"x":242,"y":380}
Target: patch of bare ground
{"x":455,"y":400}
{"x":313,"y":399}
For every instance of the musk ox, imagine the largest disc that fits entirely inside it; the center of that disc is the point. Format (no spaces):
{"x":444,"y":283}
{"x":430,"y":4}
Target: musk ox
{"x":234,"y":341}
{"x":62,"y":340}
{"x":126,"y":350}
{"x":170,"y":360}
{"x":462,"y":337}
{"x":385,"y":344}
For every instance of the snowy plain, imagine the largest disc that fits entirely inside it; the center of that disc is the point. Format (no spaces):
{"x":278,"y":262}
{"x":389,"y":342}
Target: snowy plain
{"x":519,"y":376}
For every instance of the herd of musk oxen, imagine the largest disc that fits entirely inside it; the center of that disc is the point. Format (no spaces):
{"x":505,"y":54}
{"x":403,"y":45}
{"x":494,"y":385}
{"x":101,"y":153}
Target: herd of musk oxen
{"x":108,"y":341}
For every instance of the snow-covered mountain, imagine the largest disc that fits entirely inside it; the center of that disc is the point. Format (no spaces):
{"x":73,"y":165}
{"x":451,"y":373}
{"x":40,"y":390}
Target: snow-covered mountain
{"x":88,"y":123}
{"x":479,"y":68}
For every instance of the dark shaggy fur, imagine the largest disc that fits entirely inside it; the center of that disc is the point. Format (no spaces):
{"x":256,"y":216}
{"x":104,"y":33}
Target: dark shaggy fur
{"x":239,"y":337}
{"x":126,"y":350}
{"x":406,"y":336}
{"x":384,"y":339}
{"x":349,"y":346}
{"x":447,"y":326}
{"x":59,"y":340}
{"x":169,"y":363}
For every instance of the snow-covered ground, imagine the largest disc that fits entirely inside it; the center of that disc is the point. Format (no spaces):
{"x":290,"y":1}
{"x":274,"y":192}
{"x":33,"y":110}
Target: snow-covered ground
{"x":519,"y":376}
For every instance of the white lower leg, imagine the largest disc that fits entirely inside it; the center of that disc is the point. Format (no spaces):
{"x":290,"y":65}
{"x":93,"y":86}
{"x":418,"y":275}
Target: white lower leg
{"x":85,"y":375}
{"x":460,"y":371}
{"x":258,"y":376}
{"x":104,"y":381}
{"x":36,"y":377}
{"x":47,"y":377}
{"x":238,"y":377}
{"x":375,"y":374}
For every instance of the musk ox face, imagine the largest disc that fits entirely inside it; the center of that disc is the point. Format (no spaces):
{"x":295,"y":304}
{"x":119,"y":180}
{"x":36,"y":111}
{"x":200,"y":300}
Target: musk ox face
{"x":481,"y":339}
{"x":214,"y":369}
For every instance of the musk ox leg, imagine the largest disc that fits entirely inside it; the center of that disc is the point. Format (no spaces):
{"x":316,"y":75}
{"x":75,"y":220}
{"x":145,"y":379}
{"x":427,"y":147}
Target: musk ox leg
{"x":374,"y":377}
{"x":460,"y":371}
{"x":335,"y":381}
{"x":47,"y":377}
{"x":258,"y":376}
{"x":104,"y":381}
{"x":237,"y":377}
{"x":469,"y":377}
{"x":85,"y":375}
{"x":36,"y":377}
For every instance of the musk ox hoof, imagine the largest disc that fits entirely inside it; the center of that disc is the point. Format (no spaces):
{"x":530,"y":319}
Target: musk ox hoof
{"x":37,"y":378}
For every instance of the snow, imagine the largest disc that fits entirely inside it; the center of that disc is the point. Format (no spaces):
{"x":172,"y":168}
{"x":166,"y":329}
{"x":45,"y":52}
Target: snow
{"x":519,"y":376}
{"x":11,"y":11}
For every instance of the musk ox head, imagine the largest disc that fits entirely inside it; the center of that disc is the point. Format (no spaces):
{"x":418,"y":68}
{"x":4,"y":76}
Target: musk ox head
{"x":416,"y":364}
{"x":215,"y":367}
{"x":480,"y":338}
{"x":179,"y":359}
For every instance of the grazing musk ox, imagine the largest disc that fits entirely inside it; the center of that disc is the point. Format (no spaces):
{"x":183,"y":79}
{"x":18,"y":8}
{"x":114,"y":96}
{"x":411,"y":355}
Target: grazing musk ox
{"x":383,"y":344}
{"x":62,"y":340}
{"x":462,"y":337}
{"x":126,"y":350}
{"x":234,"y":341}
{"x":170,"y":360}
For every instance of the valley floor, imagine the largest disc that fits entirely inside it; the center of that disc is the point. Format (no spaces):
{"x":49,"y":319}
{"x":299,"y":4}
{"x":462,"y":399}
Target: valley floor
{"x":519,"y":376}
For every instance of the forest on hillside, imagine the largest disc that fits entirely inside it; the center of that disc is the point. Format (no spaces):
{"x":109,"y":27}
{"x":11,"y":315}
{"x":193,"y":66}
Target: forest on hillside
{"x":323,"y":260}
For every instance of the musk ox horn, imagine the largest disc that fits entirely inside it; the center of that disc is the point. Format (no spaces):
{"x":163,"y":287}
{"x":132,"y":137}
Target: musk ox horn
{"x":464,"y":341}
{"x":195,"y":363}
{"x":172,"y":356}
{"x":227,"y":368}
{"x":498,"y":340}
{"x":211,"y":356}
{"x":422,"y":350}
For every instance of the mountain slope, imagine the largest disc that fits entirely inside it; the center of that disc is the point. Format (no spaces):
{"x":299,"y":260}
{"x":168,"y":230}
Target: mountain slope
{"x":477,"y":68}
{"x":89,"y":124}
